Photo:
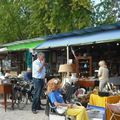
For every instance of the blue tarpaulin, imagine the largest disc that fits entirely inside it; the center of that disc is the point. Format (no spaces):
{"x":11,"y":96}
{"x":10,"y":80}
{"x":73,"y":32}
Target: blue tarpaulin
{"x":98,"y":37}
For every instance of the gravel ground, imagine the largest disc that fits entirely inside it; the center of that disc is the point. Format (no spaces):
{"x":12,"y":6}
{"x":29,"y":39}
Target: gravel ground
{"x":24,"y":114}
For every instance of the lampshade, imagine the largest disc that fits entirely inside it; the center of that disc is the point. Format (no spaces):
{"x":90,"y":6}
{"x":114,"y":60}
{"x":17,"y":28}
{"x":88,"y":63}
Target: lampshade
{"x":65,"y":68}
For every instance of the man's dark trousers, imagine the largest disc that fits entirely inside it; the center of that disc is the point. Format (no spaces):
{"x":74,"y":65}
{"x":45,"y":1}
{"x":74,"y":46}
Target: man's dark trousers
{"x":38,"y":86}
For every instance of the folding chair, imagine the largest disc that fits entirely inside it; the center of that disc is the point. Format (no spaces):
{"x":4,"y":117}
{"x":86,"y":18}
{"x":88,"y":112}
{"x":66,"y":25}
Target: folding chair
{"x":115,"y":110}
{"x":52,"y":113}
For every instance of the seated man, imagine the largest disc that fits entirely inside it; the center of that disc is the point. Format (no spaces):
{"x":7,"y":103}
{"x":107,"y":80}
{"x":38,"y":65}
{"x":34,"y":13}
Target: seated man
{"x":55,"y":96}
{"x":28,"y":75}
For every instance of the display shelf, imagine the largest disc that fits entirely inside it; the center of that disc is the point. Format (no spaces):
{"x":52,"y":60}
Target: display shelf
{"x":84,"y":66}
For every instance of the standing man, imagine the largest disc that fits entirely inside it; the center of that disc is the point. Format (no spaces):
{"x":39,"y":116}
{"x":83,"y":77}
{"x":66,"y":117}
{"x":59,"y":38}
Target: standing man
{"x":38,"y":74}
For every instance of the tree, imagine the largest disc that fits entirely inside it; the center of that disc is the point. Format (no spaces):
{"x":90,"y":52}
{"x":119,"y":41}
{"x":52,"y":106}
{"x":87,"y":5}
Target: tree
{"x":23,"y":19}
{"x":106,"y":12}
{"x":12,"y":23}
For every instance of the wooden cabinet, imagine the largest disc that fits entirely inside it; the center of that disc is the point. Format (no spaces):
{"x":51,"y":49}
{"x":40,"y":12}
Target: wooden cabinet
{"x":84,"y":66}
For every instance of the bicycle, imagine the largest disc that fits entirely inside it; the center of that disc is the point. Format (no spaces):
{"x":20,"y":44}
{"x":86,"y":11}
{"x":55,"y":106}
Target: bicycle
{"x":21,"y":93}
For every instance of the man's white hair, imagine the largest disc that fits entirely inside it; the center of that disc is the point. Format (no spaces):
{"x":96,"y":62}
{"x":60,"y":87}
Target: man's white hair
{"x":40,"y":54}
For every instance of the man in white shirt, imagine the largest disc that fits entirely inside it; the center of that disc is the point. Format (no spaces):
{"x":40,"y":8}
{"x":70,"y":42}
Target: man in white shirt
{"x":38,"y":74}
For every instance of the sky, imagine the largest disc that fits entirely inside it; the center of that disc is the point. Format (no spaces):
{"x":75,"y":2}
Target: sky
{"x":96,"y":1}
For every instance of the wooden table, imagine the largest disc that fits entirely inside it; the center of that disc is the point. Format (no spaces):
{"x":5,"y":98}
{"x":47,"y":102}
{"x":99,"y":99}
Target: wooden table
{"x":101,"y":101}
{"x":87,"y":83}
{"x":6,"y":89}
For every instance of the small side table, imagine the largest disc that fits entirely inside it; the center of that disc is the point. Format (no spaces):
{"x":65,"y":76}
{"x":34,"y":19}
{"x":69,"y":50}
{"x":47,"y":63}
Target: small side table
{"x":6,"y":89}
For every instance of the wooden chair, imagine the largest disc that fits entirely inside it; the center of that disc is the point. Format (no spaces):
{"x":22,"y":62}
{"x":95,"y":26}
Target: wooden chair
{"x":115,"y":110}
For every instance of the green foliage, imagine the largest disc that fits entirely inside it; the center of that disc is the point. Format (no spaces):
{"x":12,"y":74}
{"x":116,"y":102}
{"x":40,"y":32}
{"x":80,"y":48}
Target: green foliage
{"x":12,"y":23}
{"x":103,"y":13}
{"x":23,"y":19}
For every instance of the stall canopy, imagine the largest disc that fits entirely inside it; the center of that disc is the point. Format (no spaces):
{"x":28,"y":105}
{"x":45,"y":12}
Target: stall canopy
{"x":110,"y":33}
{"x":22,"y":45}
{"x":3,"y":49}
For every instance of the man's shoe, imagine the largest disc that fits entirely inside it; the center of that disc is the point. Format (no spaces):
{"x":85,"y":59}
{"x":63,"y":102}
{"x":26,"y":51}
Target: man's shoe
{"x":43,"y":104}
{"x":34,"y":111}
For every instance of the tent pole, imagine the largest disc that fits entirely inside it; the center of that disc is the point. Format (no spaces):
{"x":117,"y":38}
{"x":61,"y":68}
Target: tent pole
{"x":67,"y":54}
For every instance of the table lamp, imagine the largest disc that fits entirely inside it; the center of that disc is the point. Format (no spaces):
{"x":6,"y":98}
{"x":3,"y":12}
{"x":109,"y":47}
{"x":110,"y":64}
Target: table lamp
{"x":65,"y":69}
